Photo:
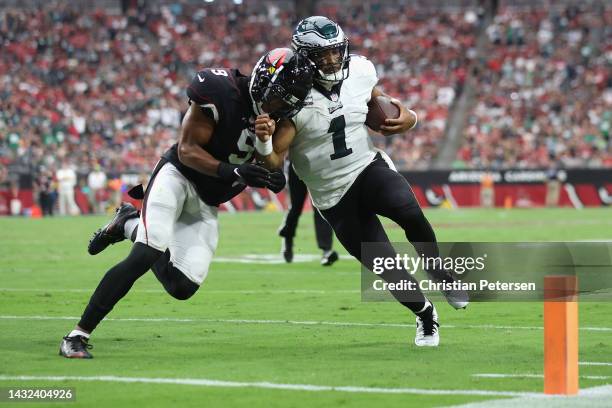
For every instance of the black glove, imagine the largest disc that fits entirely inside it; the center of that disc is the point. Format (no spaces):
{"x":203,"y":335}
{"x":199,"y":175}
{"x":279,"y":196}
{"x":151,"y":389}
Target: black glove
{"x":137,"y":192}
{"x":277,"y":181}
{"x":249,"y":174}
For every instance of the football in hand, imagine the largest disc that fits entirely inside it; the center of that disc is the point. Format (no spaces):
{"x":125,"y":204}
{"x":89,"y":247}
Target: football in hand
{"x":380,"y":109}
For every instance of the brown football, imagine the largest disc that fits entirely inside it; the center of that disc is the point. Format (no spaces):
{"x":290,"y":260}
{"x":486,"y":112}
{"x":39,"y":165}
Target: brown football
{"x":380,"y":109}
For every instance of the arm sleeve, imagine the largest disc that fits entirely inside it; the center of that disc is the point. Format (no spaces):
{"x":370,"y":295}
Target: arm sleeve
{"x":365,"y":70}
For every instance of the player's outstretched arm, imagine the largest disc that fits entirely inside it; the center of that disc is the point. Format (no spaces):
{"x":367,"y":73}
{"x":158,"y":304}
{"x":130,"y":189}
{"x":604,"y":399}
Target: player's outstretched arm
{"x":273,"y":140}
{"x":405,"y":121}
{"x":196,"y":131}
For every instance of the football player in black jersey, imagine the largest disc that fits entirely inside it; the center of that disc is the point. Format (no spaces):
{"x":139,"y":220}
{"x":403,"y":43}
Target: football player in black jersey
{"x":176,"y":233}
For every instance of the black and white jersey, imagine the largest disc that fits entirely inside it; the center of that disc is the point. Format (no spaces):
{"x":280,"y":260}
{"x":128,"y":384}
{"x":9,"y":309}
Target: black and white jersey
{"x":332,"y":146}
{"x":222,"y":94}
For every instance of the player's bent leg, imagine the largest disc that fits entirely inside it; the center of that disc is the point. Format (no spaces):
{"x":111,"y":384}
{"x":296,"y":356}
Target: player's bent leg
{"x":115,"y":284}
{"x":194,"y":241}
{"x":396,"y":201}
{"x":371,"y":230}
{"x":347,"y":227}
{"x":174,"y":281}
{"x":162,"y":205}
{"x":420,"y":233}
{"x":171,"y":223}
{"x":352,"y":229}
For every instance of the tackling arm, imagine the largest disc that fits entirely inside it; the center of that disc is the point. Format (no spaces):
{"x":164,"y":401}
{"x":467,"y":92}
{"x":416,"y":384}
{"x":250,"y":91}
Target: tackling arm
{"x":283,"y":133}
{"x":196,"y":131}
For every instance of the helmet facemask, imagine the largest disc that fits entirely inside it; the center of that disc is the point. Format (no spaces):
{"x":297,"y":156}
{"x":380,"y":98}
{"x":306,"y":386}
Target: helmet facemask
{"x":331,"y":62}
{"x":281,"y":103}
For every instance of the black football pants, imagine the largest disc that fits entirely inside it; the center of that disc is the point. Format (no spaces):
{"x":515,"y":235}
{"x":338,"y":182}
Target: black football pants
{"x":380,"y":190}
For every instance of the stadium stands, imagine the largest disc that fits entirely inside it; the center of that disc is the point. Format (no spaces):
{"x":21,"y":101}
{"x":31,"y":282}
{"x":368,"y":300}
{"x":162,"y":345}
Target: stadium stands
{"x":544,"y":93}
{"x":106,"y":88}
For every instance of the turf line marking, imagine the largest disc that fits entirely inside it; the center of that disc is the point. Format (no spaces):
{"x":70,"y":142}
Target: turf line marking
{"x":594,"y":363}
{"x":246,"y":291}
{"x":289,"y":322}
{"x":268,"y":385}
{"x":271,"y":259}
{"x":486,"y":375}
{"x":586,"y":398}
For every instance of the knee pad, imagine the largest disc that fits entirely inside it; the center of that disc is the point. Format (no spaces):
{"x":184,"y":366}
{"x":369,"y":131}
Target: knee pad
{"x":183,"y":288}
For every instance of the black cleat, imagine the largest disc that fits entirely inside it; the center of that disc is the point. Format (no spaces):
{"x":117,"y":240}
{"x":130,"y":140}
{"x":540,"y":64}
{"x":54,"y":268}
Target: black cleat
{"x":287,"y":249}
{"x":75,"y":347}
{"x":112,"y":232}
{"x":329,"y":257}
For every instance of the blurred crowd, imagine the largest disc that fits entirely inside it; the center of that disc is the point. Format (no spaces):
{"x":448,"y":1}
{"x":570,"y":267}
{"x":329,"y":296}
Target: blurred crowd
{"x":421,"y":57}
{"x":544,"y":93}
{"x":101,"y":92}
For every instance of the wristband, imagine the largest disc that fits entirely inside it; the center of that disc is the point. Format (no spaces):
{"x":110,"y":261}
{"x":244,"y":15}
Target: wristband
{"x":263,"y":148}
{"x":227,"y":172}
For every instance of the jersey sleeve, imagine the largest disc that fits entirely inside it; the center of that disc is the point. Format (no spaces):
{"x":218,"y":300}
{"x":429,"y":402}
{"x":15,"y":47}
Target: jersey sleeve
{"x":364,"y":69}
{"x":207,"y":89}
{"x":299,"y":120}
{"x":304,"y":115}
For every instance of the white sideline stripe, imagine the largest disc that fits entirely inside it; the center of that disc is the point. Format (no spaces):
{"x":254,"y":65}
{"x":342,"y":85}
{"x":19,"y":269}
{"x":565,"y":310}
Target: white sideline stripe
{"x":291,"y":322}
{"x":306,"y":291}
{"x":594,"y":363}
{"x":271,"y":258}
{"x":238,"y":321}
{"x":586,"y":398}
{"x":486,"y":375}
{"x":268,"y":385}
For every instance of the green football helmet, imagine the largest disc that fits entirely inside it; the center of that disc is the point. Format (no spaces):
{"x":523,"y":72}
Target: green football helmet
{"x":325,"y":44}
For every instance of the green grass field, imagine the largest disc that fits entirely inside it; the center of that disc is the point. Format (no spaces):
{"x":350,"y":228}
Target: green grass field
{"x":278,"y":324}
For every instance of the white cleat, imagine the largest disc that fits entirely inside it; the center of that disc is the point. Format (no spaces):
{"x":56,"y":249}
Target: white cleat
{"x":427,"y":334}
